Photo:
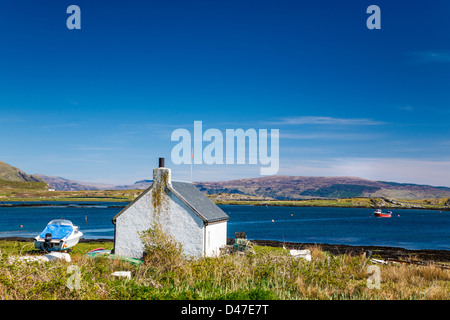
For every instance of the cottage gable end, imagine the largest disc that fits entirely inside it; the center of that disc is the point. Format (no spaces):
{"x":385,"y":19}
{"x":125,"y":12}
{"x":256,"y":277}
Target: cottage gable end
{"x":181,"y":209}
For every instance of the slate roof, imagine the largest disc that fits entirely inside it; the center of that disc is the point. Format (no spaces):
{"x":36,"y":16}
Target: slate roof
{"x":193,"y":198}
{"x":201,"y":205}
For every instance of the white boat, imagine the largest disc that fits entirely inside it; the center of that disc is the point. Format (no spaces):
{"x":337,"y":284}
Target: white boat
{"x":59,"y":234}
{"x":305,"y":254}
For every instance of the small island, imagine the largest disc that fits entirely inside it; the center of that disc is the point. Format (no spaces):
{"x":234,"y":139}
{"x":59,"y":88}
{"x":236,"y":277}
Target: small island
{"x":33,"y":191}
{"x":356,"y":202}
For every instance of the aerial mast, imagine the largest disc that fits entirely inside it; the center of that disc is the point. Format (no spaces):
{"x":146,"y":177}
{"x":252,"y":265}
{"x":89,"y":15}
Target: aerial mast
{"x":192,"y":158}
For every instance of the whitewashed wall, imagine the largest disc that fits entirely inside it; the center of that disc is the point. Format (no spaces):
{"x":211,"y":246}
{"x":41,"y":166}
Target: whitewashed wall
{"x":185,"y":226}
{"x":215,"y":238}
{"x":134,"y":219}
{"x":175,"y":217}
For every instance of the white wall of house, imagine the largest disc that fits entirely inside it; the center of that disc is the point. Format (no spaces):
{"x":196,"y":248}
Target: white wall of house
{"x":183,"y":224}
{"x":215,"y":237}
{"x":135,"y":219}
{"x":186,"y":227}
{"x":176,"y":218}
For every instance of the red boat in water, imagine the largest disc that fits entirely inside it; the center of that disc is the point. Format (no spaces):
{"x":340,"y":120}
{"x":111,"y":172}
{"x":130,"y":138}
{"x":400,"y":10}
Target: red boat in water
{"x":379,"y":213}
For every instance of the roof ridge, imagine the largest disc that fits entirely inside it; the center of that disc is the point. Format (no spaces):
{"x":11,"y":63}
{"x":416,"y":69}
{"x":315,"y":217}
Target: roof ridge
{"x":175,"y":192}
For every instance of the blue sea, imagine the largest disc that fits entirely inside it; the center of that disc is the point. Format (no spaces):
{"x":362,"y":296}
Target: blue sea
{"x":410,"y":229}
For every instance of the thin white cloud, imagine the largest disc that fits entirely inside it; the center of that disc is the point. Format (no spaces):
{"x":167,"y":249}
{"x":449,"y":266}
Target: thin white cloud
{"x":427,"y":172}
{"x":60,"y":125}
{"x":431,"y":56}
{"x":407,"y":108}
{"x":436,"y":173}
{"x":331,"y":136}
{"x":72,"y":101}
{"x":92,"y":148}
{"x":11,"y":119}
{"x":326,"y":120}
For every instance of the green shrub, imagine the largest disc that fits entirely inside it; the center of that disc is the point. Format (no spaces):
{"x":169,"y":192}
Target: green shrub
{"x":162,"y":251}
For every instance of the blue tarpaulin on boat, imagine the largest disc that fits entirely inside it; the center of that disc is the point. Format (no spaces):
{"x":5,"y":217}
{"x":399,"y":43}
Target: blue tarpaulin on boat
{"x":58,"y":231}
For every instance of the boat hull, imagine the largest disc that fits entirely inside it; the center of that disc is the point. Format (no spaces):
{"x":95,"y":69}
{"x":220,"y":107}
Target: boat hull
{"x":58,"y":235}
{"x":56,"y":244}
{"x":382,"y":215}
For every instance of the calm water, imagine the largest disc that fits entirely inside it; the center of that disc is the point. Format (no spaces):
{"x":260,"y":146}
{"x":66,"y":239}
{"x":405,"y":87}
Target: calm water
{"x":411,"y":229}
{"x":94,"y":219}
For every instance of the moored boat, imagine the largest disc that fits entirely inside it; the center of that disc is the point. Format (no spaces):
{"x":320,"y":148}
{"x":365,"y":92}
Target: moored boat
{"x":59,"y":234}
{"x":381,"y":214}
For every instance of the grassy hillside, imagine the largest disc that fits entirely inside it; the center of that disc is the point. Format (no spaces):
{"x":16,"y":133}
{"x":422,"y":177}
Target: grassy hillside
{"x":356,"y":202}
{"x":15,"y":185}
{"x":10,"y":173}
{"x":9,"y":190}
{"x":37,"y":191}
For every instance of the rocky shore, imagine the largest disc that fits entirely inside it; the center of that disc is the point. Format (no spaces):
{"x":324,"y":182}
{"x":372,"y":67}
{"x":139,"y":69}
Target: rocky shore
{"x":383,"y":252}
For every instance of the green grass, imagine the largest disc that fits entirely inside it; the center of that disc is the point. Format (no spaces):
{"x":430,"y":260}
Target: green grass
{"x":269,"y":273}
{"x":37,"y":191}
{"x":27,"y":247}
{"x":21,"y":185}
{"x":19,"y":191}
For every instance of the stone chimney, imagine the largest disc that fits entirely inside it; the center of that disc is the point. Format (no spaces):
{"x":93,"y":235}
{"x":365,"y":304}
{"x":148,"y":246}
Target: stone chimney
{"x":161,"y":175}
{"x":161,"y":179}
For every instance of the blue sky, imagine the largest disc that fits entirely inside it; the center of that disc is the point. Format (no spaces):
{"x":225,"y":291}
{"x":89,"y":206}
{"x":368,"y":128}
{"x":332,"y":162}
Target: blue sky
{"x":99,"y":104}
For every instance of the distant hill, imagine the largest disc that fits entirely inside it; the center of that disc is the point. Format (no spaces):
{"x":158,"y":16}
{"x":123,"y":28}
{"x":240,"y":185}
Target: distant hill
{"x":139,"y":185}
{"x":62,"y":184}
{"x":10,"y":173}
{"x":13,"y":174}
{"x":298,"y":187}
{"x":268,"y":187}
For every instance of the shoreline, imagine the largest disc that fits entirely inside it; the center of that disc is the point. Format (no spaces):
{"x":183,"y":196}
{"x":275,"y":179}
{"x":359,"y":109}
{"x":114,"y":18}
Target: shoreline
{"x":13,"y":203}
{"x":57,"y":203}
{"x":396,"y":253}
{"x":298,"y":205}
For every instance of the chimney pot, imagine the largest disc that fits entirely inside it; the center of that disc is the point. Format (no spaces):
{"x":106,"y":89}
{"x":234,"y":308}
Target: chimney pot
{"x":161,"y":162}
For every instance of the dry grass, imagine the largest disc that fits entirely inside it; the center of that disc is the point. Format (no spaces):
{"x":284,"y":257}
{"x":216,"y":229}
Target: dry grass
{"x":269,"y":273}
{"x":417,"y":282}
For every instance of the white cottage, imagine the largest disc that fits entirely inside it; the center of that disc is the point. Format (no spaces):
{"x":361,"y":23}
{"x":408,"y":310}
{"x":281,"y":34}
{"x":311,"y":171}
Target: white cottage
{"x":183,"y":211}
